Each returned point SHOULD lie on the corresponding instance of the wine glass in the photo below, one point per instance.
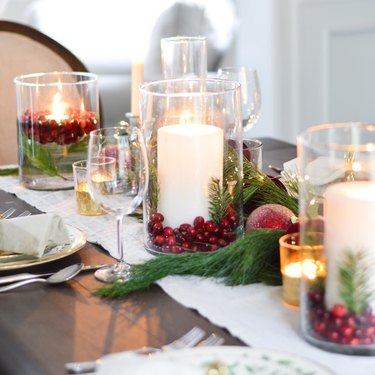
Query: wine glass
(251, 100)
(117, 176)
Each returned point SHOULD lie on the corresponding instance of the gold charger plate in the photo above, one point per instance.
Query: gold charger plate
(10, 261)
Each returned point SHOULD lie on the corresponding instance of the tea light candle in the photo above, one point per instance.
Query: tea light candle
(189, 156)
(292, 274)
(349, 226)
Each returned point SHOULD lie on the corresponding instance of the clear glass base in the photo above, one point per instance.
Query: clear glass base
(116, 273)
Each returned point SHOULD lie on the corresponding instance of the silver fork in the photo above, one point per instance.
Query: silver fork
(7, 213)
(212, 340)
(24, 213)
(188, 340)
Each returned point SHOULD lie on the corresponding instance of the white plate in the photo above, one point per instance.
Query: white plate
(237, 361)
(10, 261)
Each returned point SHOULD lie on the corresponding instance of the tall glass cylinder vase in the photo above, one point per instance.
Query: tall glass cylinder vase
(184, 57)
(193, 134)
(337, 205)
(56, 112)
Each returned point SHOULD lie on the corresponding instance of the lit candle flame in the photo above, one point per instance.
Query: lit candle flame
(308, 267)
(57, 112)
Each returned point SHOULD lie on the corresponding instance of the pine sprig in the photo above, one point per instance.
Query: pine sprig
(252, 258)
(219, 200)
(354, 274)
(9, 171)
(261, 189)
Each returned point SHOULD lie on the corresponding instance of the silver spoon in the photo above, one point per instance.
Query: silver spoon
(61, 276)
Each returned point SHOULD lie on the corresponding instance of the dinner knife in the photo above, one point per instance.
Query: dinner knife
(26, 276)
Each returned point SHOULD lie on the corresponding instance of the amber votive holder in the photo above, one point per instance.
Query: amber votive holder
(297, 261)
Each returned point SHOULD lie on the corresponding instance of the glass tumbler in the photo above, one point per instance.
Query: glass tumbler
(55, 113)
(193, 135)
(184, 57)
(337, 205)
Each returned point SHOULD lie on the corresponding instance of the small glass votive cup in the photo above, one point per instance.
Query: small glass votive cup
(253, 151)
(85, 205)
(298, 262)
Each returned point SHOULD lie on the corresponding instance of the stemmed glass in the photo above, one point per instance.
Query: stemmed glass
(251, 100)
(117, 176)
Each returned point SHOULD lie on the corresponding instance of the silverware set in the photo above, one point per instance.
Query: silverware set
(10, 211)
(193, 338)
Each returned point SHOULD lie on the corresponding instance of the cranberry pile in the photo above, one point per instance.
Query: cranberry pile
(339, 325)
(202, 235)
(43, 130)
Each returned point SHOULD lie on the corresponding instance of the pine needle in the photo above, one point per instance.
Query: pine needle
(251, 259)
(354, 274)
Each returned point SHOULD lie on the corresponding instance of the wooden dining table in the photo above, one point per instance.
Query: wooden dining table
(42, 327)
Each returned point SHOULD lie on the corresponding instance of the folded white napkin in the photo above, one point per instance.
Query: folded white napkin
(32, 235)
(129, 363)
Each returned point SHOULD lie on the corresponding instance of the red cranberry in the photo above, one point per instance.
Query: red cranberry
(333, 336)
(157, 218)
(210, 226)
(213, 239)
(339, 311)
(171, 240)
(168, 231)
(192, 232)
(176, 249)
(354, 341)
(158, 229)
(319, 326)
(347, 331)
(185, 245)
(184, 227)
(159, 239)
(222, 242)
(198, 221)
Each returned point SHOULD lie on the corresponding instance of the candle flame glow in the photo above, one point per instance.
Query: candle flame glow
(185, 118)
(308, 267)
(57, 112)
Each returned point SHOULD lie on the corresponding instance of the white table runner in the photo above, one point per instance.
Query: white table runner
(253, 313)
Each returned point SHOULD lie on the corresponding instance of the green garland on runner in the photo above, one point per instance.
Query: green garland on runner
(250, 259)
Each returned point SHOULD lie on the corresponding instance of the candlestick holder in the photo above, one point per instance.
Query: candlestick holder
(194, 139)
(55, 113)
(337, 201)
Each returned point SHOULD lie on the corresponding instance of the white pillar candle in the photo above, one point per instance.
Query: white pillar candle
(136, 81)
(349, 209)
(189, 156)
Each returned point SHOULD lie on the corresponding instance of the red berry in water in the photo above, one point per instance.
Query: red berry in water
(198, 221)
(185, 245)
(192, 232)
(159, 240)
(367, 341)
(200, 237)
(222, 242)
(333, 336)
(184, 227)
(210, 226)
(157, 217)
(339, 311)
(168, 231)
(225, 223)
(338, 322)
(176, 249)
(354, 341)
(347, 331)
(370, 331)
(171, 240)
(319, 326)
(166, 248)
(158, 229)
(213, 239)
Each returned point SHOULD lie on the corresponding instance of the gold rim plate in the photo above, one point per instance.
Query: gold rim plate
(10, 261)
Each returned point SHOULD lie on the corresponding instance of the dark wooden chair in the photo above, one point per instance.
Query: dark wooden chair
(25, 50)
